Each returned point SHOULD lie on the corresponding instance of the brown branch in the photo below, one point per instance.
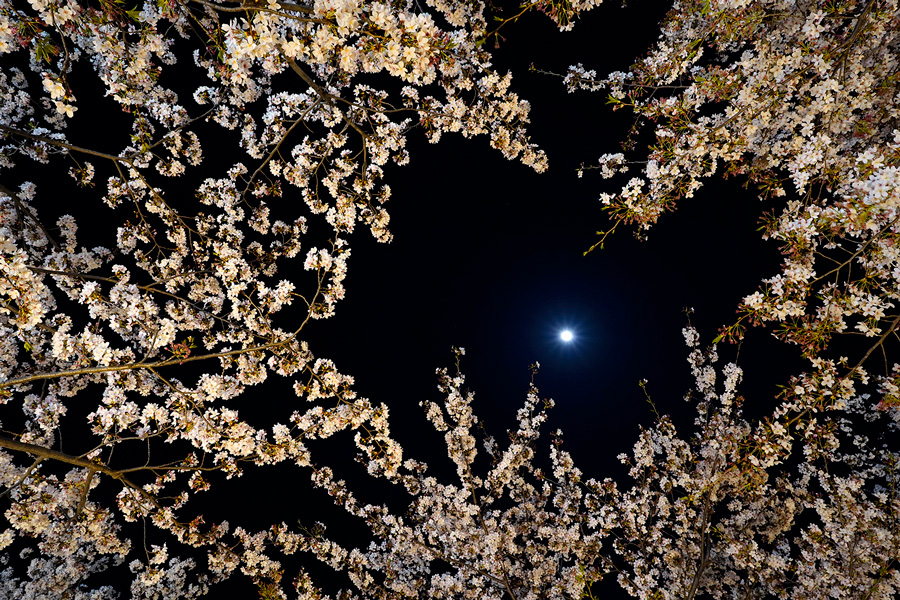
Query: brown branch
(52, 142)
(84, 492)
(126, 159)
(504, 579)
(150, 289)
(24, 476)
(862, 249)
(275, 150)
(162, 139)
(324, 94)
(704, 550)
(47, 453)
(146, 366)
(261, 7)
(62, 40)
(26, 210)
(857, 30)
(461, 564)
(146, 288)
(880, 341)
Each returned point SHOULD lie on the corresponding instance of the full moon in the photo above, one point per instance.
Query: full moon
(566, 335)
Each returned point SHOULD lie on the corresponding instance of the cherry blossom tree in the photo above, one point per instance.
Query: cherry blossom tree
(199, 286)
(192, 305)
(798, 99)
(788, 507)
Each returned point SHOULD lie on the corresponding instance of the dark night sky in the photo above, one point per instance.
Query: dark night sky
(487, 255)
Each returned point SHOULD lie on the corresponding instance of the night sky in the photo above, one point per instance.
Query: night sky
(488, 255)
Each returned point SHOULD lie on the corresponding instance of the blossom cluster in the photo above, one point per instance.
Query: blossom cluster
(801, 101)
(789, 506)
(135, 349)
(196, 297)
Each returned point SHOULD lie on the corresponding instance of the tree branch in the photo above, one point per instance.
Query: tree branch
(47, 453)
(67, 146)
(704, 550)
(262, 7)
(26, 210)
(146, 366)
(324, 94)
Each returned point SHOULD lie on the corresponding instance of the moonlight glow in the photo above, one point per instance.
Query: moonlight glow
(566, 335)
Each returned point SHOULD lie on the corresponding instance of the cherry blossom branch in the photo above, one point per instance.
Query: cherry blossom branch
(146, 366)
(604, 235)
(23, 477)
(26, 210)
(481, 522)
(262, 8)
(128, 158)
(324, 94)
(146, 288)
(880, 341)
(857, 30)
(275, 150)
(771, 90)
(461, 564)
(862, 249)
(47, 453)
(67, 146)
(704, 549)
